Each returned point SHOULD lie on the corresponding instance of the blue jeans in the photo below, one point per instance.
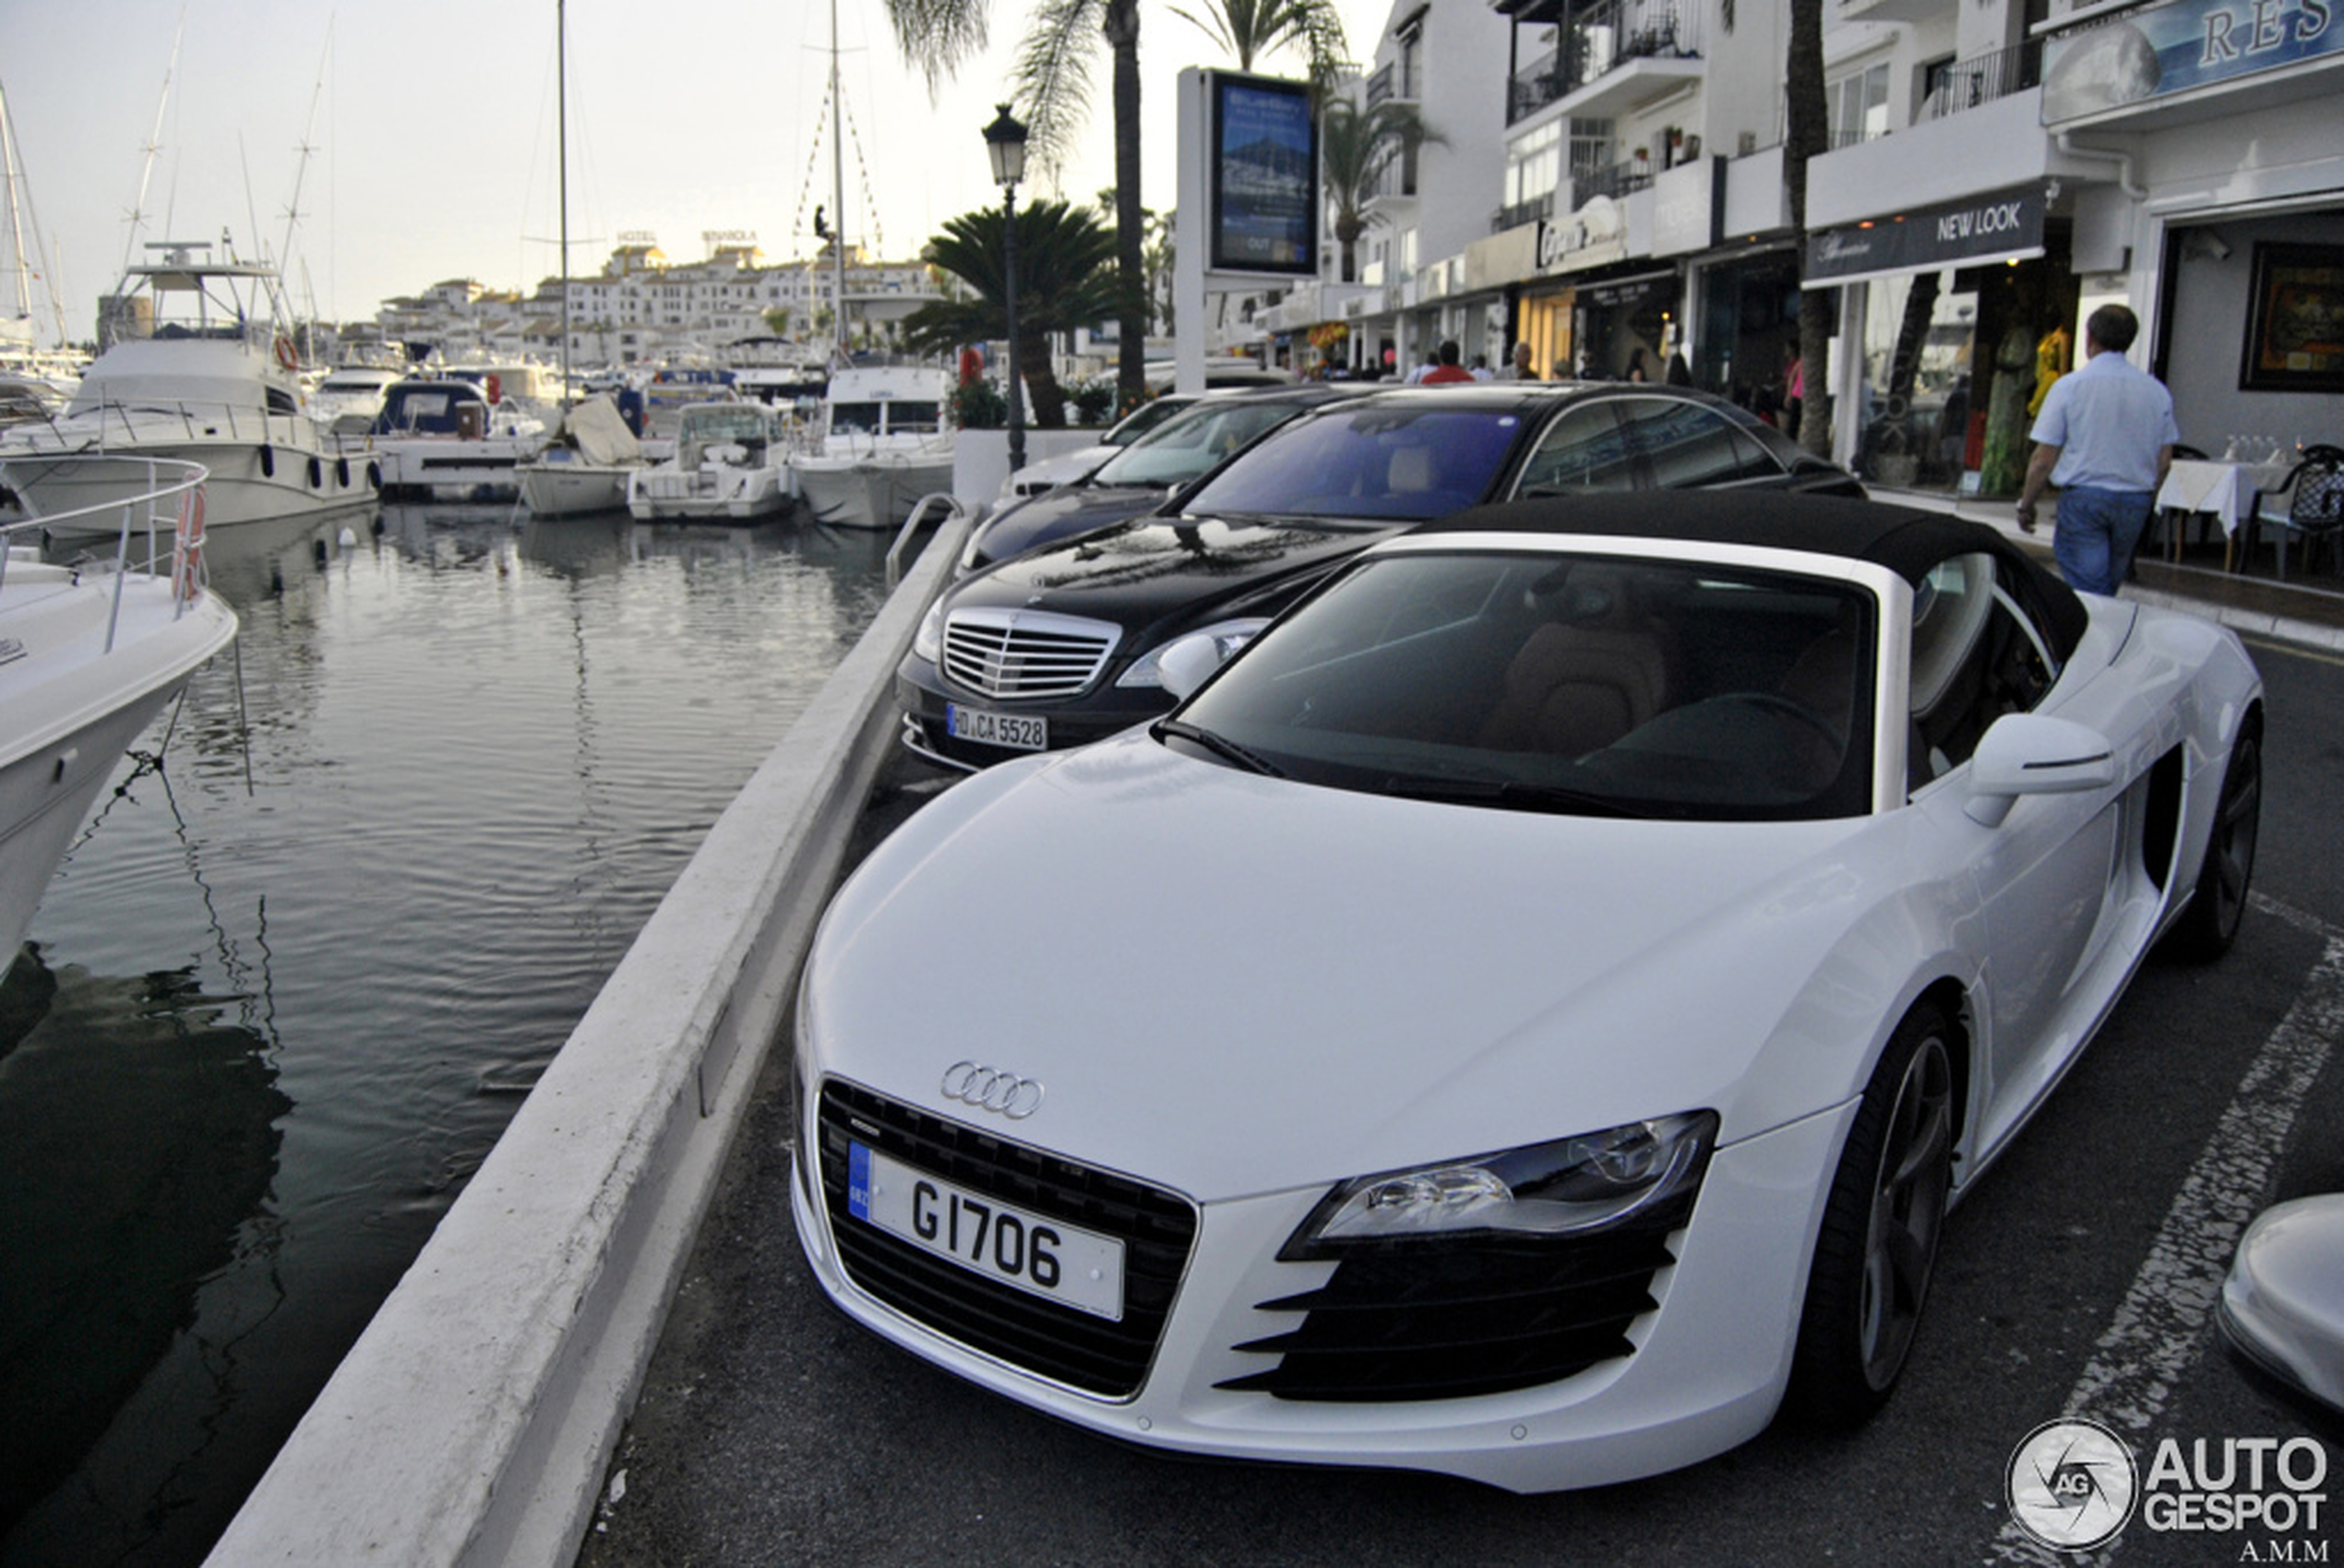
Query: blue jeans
(2096, 533)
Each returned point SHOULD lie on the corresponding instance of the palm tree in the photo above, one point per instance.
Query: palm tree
(1062, 282)
(1356, 146)
(1808, 135)
(1051, 84)
(1251, 29)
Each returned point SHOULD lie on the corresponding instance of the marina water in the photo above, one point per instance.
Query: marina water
(289, 986)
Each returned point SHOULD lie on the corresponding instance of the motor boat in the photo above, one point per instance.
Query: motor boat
(587, 464)
(346, 401)
(443, 438)
(731, 465)
(89, 653)
(883, 445)
(201, 368)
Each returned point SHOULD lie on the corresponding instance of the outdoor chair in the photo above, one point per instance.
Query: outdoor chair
(2308, 502)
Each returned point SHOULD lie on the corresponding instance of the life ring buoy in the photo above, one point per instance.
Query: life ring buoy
(285, 356)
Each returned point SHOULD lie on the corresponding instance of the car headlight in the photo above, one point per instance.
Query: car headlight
(1228, 637)
(1567, 1186)
(929, 641)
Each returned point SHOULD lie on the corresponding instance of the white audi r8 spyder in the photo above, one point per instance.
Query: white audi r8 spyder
(1528, 1014)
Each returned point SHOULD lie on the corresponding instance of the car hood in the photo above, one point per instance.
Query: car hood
(1135, 573)
(1237, 985)
(1060, 513)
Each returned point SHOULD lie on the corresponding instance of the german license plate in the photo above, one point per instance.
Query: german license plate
(1042, 1256)
(1016, 731)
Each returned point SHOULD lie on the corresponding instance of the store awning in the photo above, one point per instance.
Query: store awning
(1979, 231)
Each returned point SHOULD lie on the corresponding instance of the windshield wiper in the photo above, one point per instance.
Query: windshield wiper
(1219, 745)
(1513, 795)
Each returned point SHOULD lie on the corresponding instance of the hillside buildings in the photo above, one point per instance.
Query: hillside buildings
(643, 308)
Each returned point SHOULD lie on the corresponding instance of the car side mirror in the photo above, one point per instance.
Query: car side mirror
(2033, 754)
(1189, 662)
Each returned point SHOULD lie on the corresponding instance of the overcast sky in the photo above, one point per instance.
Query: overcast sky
(432, 129)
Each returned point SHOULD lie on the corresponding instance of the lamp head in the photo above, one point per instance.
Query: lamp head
(1005, 144)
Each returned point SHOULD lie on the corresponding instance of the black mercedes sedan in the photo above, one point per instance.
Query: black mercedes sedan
(1059, 646)
(1140, 478)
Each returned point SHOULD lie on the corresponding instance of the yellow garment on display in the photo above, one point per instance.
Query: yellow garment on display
(2054, 357)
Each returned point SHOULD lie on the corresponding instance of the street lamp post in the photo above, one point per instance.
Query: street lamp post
(1005, 144)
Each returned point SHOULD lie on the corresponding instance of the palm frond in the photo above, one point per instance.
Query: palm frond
(1053, 76)
(939, 36)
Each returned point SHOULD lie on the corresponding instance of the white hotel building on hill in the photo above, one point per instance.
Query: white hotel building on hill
(643, 309)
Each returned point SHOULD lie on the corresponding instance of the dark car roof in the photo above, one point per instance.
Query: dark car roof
(1907, 540)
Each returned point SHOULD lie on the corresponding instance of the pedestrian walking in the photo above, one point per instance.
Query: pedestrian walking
(2105, 437)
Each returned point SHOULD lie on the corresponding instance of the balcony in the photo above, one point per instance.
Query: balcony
(1613, 56)
(1535, 211)
(1390, 83)
(1973, 83)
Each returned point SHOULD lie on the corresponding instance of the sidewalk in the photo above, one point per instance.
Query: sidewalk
(2306, 611)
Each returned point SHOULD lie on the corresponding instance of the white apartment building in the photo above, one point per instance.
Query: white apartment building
(1998, 168)
(641, 308)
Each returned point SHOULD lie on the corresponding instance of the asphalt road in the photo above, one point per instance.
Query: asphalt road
(773, 1432)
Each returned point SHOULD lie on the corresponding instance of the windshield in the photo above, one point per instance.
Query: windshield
(1581, 684)
(1188, 443)
(1382, 461)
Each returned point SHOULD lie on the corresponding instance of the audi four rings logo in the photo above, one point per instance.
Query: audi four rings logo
(988, 1089)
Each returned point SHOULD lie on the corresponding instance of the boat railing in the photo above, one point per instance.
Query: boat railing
(196, 419)
(169, 504)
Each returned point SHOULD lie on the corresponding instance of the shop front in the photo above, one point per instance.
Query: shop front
(1628, 323)
(1746, 333)
(1963, 314)
(2222, 223)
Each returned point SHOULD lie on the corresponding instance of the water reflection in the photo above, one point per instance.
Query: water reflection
(397, 840)
(142, 1117)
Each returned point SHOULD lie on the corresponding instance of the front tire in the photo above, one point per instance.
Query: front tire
(2210, 924)
(1878, 1245)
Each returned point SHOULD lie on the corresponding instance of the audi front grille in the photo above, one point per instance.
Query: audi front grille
(1449, 1320)
(1067, 1346)
(1026, 653)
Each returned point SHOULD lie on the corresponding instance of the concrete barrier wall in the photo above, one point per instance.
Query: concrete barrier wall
(472, 1421)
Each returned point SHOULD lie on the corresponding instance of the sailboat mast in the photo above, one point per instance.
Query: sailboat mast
(838, 199)
(16, 216)
(561, 133)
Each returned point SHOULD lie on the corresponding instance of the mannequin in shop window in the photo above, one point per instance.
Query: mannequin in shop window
(2054, 357)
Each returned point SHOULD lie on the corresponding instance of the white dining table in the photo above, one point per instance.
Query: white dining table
(2224, 491)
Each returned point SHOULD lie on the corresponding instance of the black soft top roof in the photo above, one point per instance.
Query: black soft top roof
(1907, 540)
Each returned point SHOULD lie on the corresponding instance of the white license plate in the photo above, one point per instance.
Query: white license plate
(1013, 730)
(1041, 1256)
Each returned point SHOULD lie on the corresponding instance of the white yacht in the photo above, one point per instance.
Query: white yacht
(200, 369)
(883, 443)
(92, 653)
(731, 465)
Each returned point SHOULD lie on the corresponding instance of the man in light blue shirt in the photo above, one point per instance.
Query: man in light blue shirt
(2105, 437)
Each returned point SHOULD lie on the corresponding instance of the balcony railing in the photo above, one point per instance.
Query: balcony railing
(1614, 180)
(1531, 211)
(1389, 81)
(1967, 84)
(1599, 41)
